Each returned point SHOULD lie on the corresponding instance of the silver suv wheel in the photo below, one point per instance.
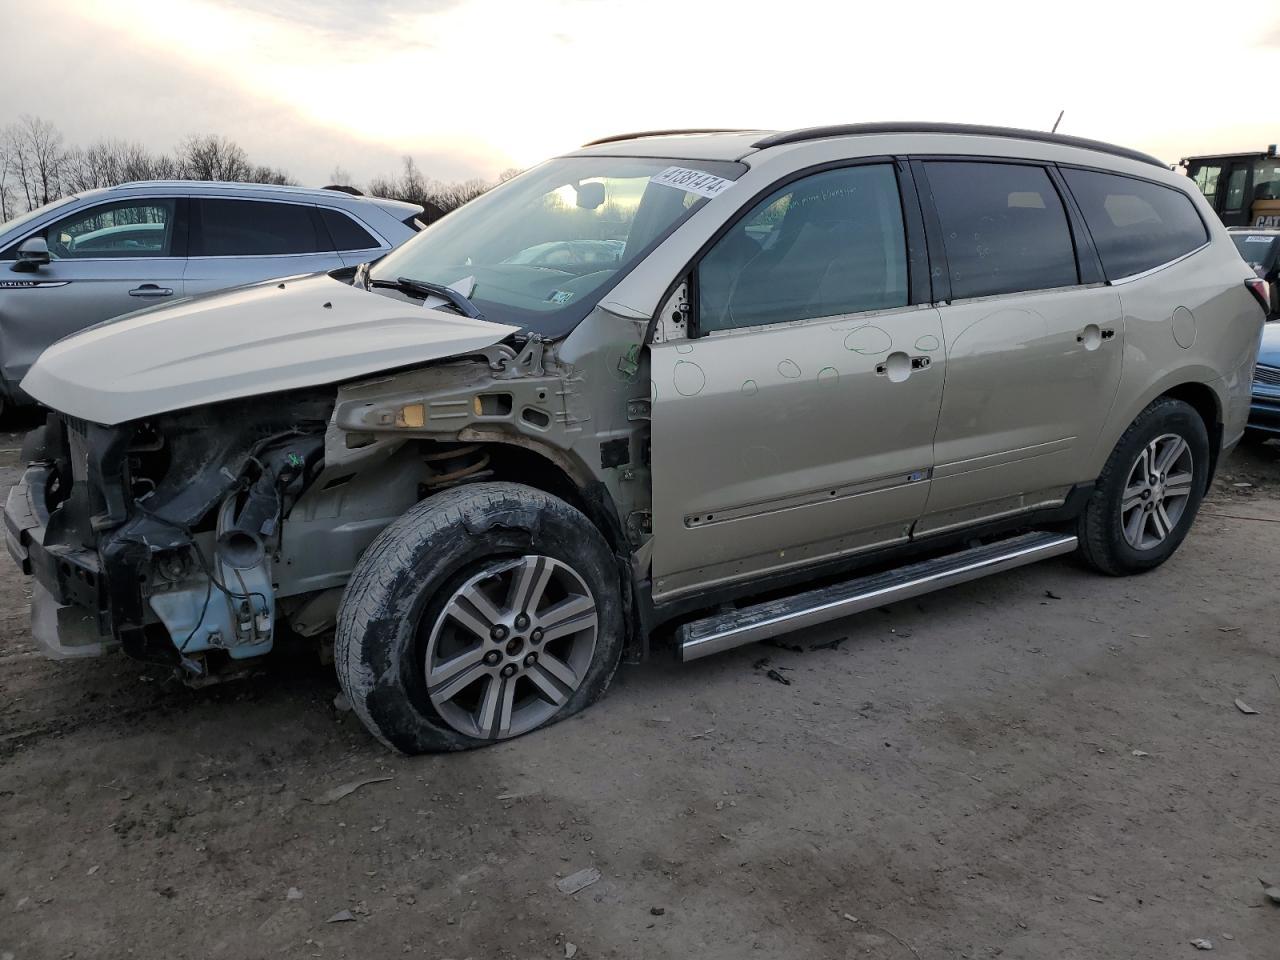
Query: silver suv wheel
(1157, 491)
(510, 647)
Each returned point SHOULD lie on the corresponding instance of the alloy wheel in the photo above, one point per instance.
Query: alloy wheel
(1157, 491)
(510, 647)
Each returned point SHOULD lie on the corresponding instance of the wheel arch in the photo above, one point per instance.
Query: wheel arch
(1195, 385)
(1202, 398)
(519, 459)
(522, 460)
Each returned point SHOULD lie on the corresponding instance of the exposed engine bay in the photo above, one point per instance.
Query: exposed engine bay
(196, 536)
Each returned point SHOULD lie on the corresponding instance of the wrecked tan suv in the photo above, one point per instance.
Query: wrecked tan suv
(733, 383)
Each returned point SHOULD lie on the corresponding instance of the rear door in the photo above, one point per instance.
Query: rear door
(797, 424)
(237, 241)
(105, 260)
(1034, 339)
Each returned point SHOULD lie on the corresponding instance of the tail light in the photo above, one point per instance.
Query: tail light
(1258, 288)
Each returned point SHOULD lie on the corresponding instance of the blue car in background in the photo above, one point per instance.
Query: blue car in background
(86, 258)
(1264, 410)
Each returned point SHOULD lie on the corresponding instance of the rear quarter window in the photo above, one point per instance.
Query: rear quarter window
(1136, 225)
(346, 233)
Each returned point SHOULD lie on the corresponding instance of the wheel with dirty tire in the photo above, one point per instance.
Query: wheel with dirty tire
(485, 612)
(1149, 491)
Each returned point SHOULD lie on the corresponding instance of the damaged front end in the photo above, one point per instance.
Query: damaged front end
(159, 534)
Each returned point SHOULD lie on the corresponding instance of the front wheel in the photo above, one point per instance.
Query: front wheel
(1149, 491)
(483, 613)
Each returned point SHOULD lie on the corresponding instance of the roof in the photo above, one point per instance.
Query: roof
(736, 144)
(219, 186)
(397, 208)
(677, 146)
(1268, 154)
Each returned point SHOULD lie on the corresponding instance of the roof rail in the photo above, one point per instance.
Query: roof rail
(971, 129)
(663, 133)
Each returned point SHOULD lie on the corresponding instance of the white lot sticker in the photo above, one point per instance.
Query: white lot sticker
(1258, 239)
(692, 181)
(560, 296)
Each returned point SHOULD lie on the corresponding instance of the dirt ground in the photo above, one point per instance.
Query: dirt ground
(1046, 764)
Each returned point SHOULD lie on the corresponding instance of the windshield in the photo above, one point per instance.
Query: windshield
(26, 217)
(1255, 249)
(540, 250)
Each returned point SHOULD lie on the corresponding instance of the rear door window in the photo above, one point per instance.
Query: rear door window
(829, 244)
(345, 232)
(1003, 228)
(255, 228)
(1135, 224)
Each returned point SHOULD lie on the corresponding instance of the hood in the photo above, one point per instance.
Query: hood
(272, 336)
(1269, 351)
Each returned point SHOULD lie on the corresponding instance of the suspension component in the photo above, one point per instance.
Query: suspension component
(457, 464)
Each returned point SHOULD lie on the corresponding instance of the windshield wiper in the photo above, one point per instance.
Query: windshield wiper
(424, 289)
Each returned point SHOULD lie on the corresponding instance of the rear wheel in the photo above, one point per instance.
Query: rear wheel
(1149, 491)
(482, 614)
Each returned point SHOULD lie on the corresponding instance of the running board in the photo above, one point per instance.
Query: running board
(701, 638)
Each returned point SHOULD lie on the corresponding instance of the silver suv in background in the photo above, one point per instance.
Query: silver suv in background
(820, 371)
(89, 257)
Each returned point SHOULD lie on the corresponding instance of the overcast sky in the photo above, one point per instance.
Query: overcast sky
(470, 87)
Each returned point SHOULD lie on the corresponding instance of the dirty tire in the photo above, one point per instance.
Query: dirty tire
(402, 582)
(1103, 545)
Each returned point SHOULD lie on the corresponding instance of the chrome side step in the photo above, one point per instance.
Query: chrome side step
(701, 638)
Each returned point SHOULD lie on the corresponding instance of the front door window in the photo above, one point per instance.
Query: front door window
(827, 245)
(133, 228)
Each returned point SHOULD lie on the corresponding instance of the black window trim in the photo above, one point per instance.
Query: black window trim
(1088, 264)
(1208, 233)
(383, 243)
(195, 226)
(913, 231)
(178, 237)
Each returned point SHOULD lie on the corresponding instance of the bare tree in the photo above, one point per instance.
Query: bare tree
(41, 157)
(450, 196)
(212, 157)
(8, 207)
(436, 197)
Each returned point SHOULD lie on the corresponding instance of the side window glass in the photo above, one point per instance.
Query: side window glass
(1003, 228)
(255, 228)
(1235, 190)
(830, 244)
(345, 232)
(134, 228)
(1206, 178)
(1135, 224)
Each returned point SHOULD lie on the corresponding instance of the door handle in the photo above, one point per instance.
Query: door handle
(898, 366)
(151, 290)
(1092, 336)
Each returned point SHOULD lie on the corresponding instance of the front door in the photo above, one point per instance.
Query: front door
(1033, 339)
(106, 260)
(797, 425)
(1237, 197)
